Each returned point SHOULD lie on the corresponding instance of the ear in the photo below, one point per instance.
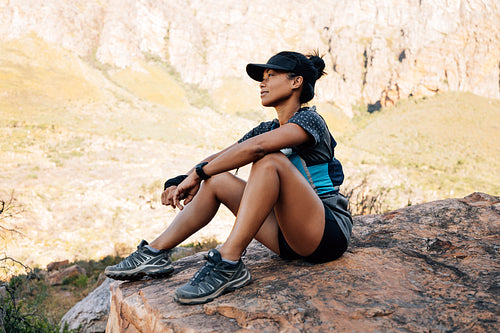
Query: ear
(297, 82)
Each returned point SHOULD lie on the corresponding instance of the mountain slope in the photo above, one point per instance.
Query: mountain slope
(448, 144)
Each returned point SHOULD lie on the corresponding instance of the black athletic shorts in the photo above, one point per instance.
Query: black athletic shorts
(333, 243)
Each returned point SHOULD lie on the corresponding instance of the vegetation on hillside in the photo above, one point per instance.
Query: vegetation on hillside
(446, 146)
(29, 304)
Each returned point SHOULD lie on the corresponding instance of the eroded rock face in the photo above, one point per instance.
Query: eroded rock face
(426, 267)
(377, 52)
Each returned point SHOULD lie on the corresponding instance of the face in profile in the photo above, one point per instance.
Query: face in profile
(275, 87)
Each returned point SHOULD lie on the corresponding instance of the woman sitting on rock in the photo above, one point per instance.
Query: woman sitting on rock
(290, 203)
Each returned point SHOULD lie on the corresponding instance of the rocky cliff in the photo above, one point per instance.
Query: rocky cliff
(429, 267)
(376, 51)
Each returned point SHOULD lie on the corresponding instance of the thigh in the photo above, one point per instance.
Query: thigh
(228, 190)
(299, 211)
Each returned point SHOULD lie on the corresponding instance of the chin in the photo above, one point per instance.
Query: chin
(267, 104)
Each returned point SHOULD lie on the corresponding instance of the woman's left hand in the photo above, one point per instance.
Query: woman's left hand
(187, 190)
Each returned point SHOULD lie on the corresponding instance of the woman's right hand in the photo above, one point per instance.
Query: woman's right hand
(167, 197)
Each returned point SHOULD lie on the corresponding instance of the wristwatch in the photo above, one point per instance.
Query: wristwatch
(200, 172)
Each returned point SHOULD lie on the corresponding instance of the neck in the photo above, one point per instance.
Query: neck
(287, 110)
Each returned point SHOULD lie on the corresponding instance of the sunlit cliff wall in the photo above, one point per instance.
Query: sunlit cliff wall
(376, 51)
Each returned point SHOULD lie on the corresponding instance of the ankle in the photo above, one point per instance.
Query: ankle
(153, 249)
(232, 262)
(228, 256)
(156, 245)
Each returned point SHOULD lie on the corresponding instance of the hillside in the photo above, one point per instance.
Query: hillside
(85, 158)
(446, 145)
(94, 118)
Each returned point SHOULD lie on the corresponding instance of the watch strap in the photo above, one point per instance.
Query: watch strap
(200, 172)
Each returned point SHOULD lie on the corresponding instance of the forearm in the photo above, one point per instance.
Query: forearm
(175, 181)
(211, 157)
(240, 154)
(234, 157)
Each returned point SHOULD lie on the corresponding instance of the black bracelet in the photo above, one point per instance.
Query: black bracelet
(200, 172)
(174, 181)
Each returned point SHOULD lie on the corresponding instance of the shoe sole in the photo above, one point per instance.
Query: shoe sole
(138, 275)
(230, 286)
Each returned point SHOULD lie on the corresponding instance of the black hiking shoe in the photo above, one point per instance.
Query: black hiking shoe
(142, 262)
(212, 280)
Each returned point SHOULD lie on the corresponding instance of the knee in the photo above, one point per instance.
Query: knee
(218, 180)
(272, 160)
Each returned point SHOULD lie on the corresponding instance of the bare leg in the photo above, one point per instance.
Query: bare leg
(223, 188)
(275, 184)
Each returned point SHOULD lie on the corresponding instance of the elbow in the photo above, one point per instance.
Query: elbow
(258, 150)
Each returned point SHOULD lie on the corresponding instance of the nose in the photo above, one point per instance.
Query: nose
(262, 84)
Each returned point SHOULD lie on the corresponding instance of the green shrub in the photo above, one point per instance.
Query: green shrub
(79, 281)
(14, 318)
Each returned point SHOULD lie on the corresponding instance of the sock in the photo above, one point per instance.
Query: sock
(232, 262)
(152, 249)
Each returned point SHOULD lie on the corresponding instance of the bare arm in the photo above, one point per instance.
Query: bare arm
(238, 155)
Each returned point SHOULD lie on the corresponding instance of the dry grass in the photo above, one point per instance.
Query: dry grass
(445, 146)
(152, 82)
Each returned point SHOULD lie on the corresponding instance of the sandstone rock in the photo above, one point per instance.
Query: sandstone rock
(57, 277)
(56, 265)
(90, 315)
(429, 267)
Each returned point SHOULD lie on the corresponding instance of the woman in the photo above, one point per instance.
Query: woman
(290, 203)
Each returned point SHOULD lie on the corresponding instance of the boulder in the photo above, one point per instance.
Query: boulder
(90, 315)
(428, 267)
(58, 276)
(57, 265)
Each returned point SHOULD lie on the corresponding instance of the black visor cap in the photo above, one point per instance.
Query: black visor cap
(278, 62)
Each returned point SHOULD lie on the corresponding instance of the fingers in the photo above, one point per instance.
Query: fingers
(173, 195)
(164, 198)
(177, 199)
(167, 197)
(188, 199)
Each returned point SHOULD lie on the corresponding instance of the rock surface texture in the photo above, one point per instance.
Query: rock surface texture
(429, 267)
(377, 52)
(90, 315)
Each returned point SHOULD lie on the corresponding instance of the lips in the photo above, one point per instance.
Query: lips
(263, 93)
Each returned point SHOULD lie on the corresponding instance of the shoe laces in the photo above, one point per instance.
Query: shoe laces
(203, 272)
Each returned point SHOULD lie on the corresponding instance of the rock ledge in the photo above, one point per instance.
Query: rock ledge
(427, 267)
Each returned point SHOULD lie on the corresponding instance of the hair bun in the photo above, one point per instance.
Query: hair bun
(318, 63)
